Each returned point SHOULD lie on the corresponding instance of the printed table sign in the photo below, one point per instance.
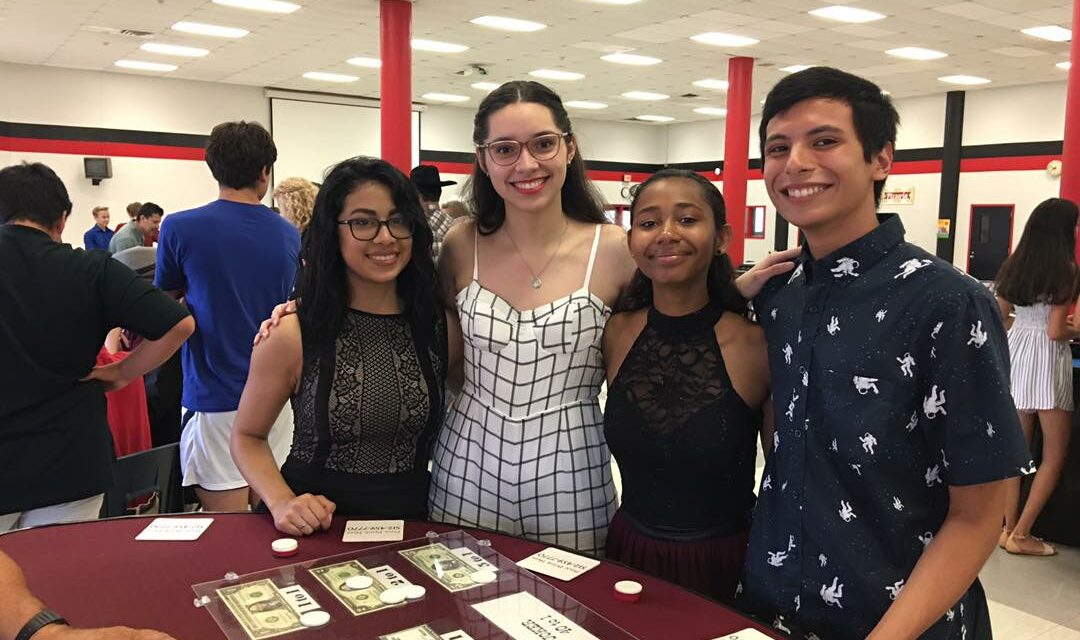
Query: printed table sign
(374, 531)
(523, 616)
(558, 563)
(175, 529)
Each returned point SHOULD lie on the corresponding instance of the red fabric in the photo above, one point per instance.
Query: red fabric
(97, 574)
(129, 419)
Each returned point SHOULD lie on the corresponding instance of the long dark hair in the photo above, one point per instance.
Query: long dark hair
(580, 199)
(1043, 266)
(721, 278)
(322, 289)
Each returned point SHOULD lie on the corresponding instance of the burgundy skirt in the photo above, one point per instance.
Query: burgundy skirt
(711, 566)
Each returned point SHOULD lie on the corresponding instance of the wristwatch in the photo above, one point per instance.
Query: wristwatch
(44, 618)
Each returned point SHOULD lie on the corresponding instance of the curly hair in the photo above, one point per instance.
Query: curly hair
(295, 197)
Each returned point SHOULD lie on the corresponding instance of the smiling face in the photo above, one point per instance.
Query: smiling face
(381, 259)
(816, 173)
(673, 235)
(528, 184)
(102, 218)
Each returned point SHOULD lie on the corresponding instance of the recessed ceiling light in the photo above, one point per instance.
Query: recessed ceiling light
(273, 6)
(709, 83)
(508, 24)
(631, 58)
(214, 30)
(585, 104)
(556, 74)
(711, 111)
(795, 68)
(371, 63)
(1063, 65)
(437, 47)
(962, 79)
(846, 14)
(1053, 33)
(145, 66)
(329, 77)
(654, 118)
(916, 53)
(723, 39)
(485, 86)
(645, 95)
(444, 97)
(173, 50)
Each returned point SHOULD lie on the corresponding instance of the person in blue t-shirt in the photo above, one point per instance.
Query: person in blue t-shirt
(231, 260)
(98, 236)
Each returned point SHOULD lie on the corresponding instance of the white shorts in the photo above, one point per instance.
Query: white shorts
(204, 448)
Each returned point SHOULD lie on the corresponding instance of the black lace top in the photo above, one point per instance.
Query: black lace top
(366, 414)
(684, 440)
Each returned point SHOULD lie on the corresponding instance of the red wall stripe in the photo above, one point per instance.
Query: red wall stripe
(92, 148)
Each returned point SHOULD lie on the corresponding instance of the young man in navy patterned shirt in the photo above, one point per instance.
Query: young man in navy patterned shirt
(884, 493)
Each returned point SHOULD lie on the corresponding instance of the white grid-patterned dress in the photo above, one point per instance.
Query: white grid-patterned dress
(523, 448)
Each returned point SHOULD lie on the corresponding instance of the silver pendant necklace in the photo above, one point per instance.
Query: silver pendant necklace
(537, 282)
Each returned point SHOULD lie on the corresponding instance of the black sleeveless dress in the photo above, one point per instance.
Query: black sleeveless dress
(366, 414)
(685, 443)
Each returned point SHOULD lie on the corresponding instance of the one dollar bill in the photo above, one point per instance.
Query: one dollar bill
(442, 566)
(423, 632)
(260, 609)
(359, 602)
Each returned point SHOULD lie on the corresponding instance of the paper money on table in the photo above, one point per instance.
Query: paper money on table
(260, 609)
(359, 602)
(423, 632)
(442, 566)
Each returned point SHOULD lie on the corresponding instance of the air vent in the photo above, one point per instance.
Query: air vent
(122, 33)
(690, 95)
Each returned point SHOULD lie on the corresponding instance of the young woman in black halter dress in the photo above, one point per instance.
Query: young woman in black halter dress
(688, 393)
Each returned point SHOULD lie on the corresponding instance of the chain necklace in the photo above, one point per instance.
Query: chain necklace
(536, 281)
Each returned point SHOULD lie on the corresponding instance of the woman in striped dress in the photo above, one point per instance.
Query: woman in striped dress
(1037, 284)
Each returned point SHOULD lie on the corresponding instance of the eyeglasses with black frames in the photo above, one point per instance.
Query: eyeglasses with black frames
(506, 152)
(369, 228)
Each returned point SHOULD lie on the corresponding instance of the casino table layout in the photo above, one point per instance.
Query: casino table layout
(96, 574)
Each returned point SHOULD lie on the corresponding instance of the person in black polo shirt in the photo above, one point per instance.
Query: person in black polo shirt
(895, 430)
(59, 303)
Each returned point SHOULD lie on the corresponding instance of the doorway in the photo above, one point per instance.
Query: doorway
(989, 239)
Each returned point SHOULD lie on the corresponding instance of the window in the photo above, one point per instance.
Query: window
(755, 222)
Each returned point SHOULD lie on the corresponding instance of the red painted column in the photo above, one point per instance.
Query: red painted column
(736, 151)
(1070, 157)
(395, 82)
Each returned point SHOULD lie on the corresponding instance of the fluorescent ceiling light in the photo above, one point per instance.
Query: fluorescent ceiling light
(584, 104)
(556, 74)
(846, 14)
(654, 118)
(437, 47)
(631, 58)
(145, 66)
(508, 24)
(795, 68)
(444, 97)
(1053, 33)
(273, 6)
(174, 50)
(723, 39)
(329, 77)
(711, 111)
(485, 86)
(371, 63)
(1063, 65)
(214, 30)
(709, 83)
(645, 95)
(916, 53)
(962, 79)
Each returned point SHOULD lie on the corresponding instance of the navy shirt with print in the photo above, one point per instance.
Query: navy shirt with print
(890, 373)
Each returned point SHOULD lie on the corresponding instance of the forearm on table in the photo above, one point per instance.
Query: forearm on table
(17, 604)
(946, 570)
(152, 353)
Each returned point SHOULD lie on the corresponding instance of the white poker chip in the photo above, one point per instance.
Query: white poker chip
(284, 546)
(315, 618)
(628, 587)
(483, 576)
(394, 595)
(359, 583)
(414, 591)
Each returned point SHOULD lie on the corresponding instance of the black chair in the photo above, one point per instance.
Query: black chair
(154, 472)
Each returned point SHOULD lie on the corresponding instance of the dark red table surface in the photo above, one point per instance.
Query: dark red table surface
(97, 574)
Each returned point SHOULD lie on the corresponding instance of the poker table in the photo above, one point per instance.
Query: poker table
(96, 574)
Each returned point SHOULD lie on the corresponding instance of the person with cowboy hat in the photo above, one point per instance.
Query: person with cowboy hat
(427, 181)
